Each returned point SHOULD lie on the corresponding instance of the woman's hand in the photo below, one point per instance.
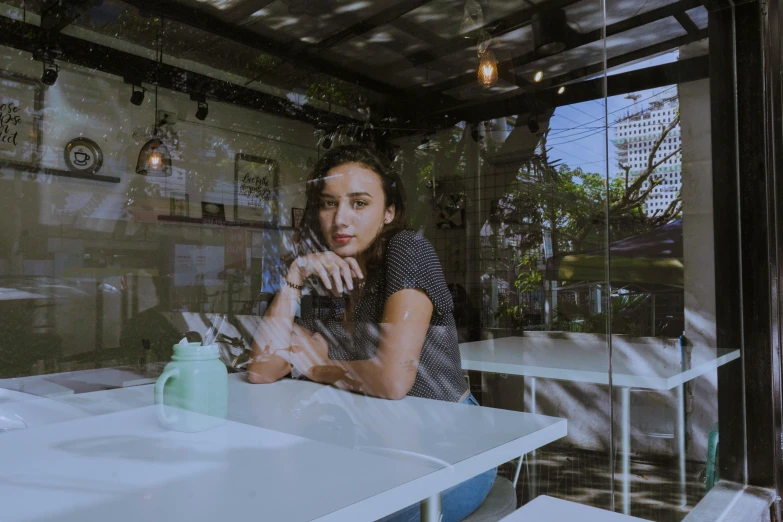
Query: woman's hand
(336, 273)
(306, 351)
(309, 353)
(265, 366)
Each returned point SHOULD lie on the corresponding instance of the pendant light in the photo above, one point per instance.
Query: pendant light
(472, 19)
(550, 32)
(154, 157)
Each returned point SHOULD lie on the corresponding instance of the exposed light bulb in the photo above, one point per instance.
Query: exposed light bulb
(539, 76)
(488, 70)
(561, 90)
(155, 160)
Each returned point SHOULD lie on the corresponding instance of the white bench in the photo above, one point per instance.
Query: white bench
(544, 508)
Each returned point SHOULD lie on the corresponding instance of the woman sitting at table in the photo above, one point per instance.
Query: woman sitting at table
(379, 318)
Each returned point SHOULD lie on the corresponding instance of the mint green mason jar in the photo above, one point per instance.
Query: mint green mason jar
(192, 392)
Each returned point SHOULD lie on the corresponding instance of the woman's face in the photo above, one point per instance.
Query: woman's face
(352, 209)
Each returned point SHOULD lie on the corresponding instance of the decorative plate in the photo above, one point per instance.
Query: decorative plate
(83, 155)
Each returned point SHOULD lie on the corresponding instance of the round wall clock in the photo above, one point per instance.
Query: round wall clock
(83, 155)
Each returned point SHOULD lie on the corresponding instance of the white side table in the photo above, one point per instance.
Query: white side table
(568, 360)
(550, 508)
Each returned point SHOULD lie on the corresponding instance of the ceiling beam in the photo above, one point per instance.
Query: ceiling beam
(419, 116)
(388, 15)
(577, 40)
(246, 9)
(59, 14)
(686, 22)
(496, 28)
(678, 72)
(297, 53)
(419, 31)
(29, 38)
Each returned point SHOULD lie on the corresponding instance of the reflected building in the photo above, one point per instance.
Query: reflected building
(635, 136)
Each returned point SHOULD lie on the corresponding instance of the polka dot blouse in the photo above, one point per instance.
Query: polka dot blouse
(411, 262)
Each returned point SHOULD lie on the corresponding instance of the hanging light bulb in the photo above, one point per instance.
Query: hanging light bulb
(488, 70)
(154, 157)
(155, 160)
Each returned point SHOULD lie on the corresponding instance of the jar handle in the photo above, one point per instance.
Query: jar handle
(164, 415)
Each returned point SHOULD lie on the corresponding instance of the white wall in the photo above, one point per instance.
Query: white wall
(57, 218)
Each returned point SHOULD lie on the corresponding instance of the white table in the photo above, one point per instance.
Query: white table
(634, 366)
(35, 385)
(294, 450)
(550, 508)
(104, 378)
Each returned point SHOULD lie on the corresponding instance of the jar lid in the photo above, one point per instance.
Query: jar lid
(196, 350)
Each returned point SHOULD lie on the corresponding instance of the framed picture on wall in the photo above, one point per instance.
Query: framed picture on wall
(213, 212)
(255, 189)
(179, 203)
(297, 215)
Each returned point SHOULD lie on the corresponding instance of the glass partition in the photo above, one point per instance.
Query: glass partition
(292, 241)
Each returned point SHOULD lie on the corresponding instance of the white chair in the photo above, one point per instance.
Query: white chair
(501, 501)
(555, 509)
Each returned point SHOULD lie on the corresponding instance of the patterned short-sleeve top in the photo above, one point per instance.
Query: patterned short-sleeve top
(410, 262)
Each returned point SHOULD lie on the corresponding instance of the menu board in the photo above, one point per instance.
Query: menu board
(255, 186)
(196, 265)
(20, 109)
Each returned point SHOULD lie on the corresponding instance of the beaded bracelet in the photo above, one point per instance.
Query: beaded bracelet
(295, 287)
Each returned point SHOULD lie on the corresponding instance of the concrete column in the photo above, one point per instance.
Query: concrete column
(699, 256)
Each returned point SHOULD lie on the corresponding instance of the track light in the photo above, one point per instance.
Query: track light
(51, 71)
(532, 123)
(476, 134)
(137, 95)
(202, 111)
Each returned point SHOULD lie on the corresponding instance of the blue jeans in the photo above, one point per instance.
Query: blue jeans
(458, 501)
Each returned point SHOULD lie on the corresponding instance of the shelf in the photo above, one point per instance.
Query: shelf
(57, 172)
(223, 223)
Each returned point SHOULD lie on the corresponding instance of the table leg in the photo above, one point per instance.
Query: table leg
(625, 432)
(431, 509)
(516, 473)
(533, 467)
(681, 442)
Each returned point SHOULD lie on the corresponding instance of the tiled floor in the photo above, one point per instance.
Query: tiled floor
(584, 477)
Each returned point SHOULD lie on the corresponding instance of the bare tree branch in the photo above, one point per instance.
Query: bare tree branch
(634, 196)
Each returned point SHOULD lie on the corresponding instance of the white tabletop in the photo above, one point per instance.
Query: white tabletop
(351, 457)
(549, 508)
(35, 385)
(640, 366)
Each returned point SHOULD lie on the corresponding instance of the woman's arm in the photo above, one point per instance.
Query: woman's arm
(274, 333)
(392, 372)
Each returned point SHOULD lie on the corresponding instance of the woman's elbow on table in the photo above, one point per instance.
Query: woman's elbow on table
(267, 372)
(396, 389)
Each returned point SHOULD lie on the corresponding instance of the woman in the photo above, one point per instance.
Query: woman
(382, 324)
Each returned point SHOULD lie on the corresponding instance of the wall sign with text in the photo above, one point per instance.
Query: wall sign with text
(21, 100)
(255, 187)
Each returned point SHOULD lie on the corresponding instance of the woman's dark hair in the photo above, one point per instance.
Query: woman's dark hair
(310, 238)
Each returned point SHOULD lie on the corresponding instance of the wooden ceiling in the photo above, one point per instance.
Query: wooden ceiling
(413, 53)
